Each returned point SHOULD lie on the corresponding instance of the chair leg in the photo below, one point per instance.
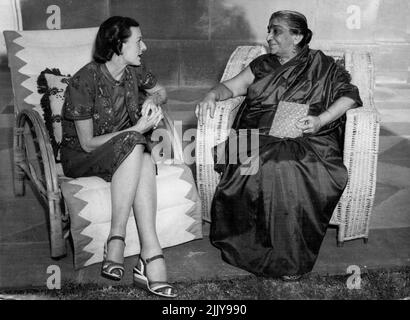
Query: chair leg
(340, 236)
(365, 240)
(58, 246)
(18, 173)
(18, 183)
(57, 240)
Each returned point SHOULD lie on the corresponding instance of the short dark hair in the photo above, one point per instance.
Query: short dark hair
(112, 33)
(297, 23)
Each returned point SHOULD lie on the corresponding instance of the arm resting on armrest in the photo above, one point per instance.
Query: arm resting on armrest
(232, 88)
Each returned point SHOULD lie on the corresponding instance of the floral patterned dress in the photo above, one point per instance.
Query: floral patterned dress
(92, 93)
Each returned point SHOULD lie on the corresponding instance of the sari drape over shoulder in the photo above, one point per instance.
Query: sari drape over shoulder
(273, 222)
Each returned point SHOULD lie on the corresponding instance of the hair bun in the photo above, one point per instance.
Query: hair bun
(308, 36)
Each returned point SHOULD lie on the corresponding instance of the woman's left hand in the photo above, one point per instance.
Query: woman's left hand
(149, 108)
(309, 124)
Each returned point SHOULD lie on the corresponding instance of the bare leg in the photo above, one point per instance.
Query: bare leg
(145, 208)
(123, 190)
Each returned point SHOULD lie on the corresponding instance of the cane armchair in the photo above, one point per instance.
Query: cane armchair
(352, 214)
(84, 201)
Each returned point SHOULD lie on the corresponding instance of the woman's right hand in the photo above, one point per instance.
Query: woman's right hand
(208, 103)
(148, 122)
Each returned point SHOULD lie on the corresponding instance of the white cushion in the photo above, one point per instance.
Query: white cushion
(88, 200)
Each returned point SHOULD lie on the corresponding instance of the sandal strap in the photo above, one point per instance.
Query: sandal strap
(111, 265)
(116, 238)
(159, 256)
(159, 285)
(160, 282)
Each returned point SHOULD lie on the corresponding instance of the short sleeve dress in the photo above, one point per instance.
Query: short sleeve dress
(92, 93)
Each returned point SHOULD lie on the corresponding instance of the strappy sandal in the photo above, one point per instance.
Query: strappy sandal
(159, 288)
(111, 269)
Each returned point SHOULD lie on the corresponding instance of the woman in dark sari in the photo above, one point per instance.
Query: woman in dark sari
(272, 223)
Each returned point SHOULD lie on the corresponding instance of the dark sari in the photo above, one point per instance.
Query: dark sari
(272, 223)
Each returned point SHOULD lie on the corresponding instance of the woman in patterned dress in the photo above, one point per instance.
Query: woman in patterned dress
(106, 133)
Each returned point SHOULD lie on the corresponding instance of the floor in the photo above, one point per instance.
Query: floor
(24, 246)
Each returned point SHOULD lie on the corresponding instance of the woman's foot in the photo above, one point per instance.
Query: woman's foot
(150, 274)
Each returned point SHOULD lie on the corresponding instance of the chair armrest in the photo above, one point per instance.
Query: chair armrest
(360, 154)
(212, 132)
(219, 126)
(361, 132)
(361, 67)
(216, 129)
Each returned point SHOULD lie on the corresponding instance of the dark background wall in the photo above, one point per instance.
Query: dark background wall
(189, 41)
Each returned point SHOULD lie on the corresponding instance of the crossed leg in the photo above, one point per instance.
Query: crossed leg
(139, 192)
(145, 208)
(124, 184)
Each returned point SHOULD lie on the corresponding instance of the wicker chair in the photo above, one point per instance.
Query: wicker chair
(29, 53)
(353, 211)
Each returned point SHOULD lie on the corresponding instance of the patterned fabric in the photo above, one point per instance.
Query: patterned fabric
(103, 161)
(52, 84)
(89, 203)
(93, 93)
(112, 105)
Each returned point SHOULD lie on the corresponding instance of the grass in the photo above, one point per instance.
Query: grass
(375, 285)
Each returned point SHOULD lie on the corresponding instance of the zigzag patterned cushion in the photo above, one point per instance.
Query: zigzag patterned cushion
(89, 204)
